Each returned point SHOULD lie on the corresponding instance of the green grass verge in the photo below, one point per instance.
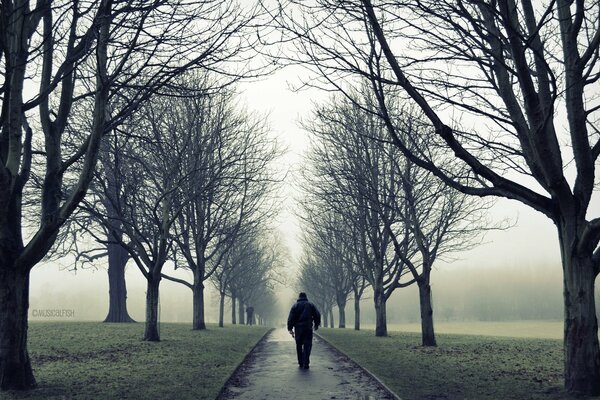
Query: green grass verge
(524, 328)
(461, 367)
(86, 360)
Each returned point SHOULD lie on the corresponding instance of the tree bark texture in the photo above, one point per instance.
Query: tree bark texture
(198, 307)
(117, 288)
(427, 332)
(582, 355)
(151, 333)
(380, 313)
(233, 310)
(342, 315)
(15, 365)
(221, 309)
(356, 314)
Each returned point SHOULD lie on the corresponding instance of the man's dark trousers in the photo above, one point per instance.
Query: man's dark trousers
(304, 337)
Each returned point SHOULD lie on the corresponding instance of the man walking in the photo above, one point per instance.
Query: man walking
(250, 315)
(302, 316)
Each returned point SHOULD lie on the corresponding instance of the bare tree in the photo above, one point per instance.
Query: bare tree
(77, 52)
(227, 270)
(440, 219)
(255, 274)
(423, 218)
(311, 280)
(513, 70)
(332, 251)
(230, 189)
(153, 170)
(251, 263)
(355, 176)
(265, 306)
(357, 265)
(18, 255)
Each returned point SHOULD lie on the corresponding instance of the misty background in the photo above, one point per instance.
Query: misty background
(514, 274)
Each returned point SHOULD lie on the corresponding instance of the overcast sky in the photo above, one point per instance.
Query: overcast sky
(532, 239)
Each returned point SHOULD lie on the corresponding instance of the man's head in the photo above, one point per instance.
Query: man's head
(302, 295)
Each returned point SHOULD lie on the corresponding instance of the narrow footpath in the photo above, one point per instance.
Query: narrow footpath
(271, 372)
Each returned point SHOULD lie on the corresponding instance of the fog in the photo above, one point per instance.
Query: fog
(514, 274)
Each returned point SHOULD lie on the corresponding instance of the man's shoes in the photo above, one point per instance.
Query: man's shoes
(300, 366)
(306, 367)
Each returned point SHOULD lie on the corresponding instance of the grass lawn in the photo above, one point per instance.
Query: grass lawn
(89, 360)
(461, 367)
(524, 328)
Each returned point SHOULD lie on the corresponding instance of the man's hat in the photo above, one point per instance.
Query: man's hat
(302, 295)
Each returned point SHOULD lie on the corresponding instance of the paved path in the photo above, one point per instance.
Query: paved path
(271, 372)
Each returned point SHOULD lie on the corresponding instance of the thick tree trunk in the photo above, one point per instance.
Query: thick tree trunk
(233, 310)
(325, 319)
(427, 332)
(380, 315)
(151, 331)
(331, 320)
(117, 289)
(582, 355)
(241, 318)
(221, 309)
(342, 314)
(198, 322)
(15, 365)
(356, 313)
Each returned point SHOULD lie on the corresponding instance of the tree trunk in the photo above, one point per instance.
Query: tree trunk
(356, 313)
(151, 332)
(221, 309)
(582, 355)
(15, 365)
(331, 320)
(342, 314)
(117, 289)
(233, 310)
(380, 316)
(241, 318)
(198, 322)
(427, 333)
(325, 319)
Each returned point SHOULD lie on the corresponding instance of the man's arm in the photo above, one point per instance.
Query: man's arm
(291, 318)
(316, 317)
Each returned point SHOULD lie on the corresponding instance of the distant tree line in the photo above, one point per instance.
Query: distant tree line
(186, 180)
(372, 217)
(500, 293)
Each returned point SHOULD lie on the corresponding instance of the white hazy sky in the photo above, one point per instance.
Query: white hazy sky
(533, 241)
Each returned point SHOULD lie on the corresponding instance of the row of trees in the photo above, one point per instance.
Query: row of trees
(73, 73)
(373, 217)
(509, 91)
(185, 189)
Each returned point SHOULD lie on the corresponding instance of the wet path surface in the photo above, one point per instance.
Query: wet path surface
(271, 372)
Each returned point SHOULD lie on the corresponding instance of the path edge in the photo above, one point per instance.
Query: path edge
(235, 371)
(372, 375)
